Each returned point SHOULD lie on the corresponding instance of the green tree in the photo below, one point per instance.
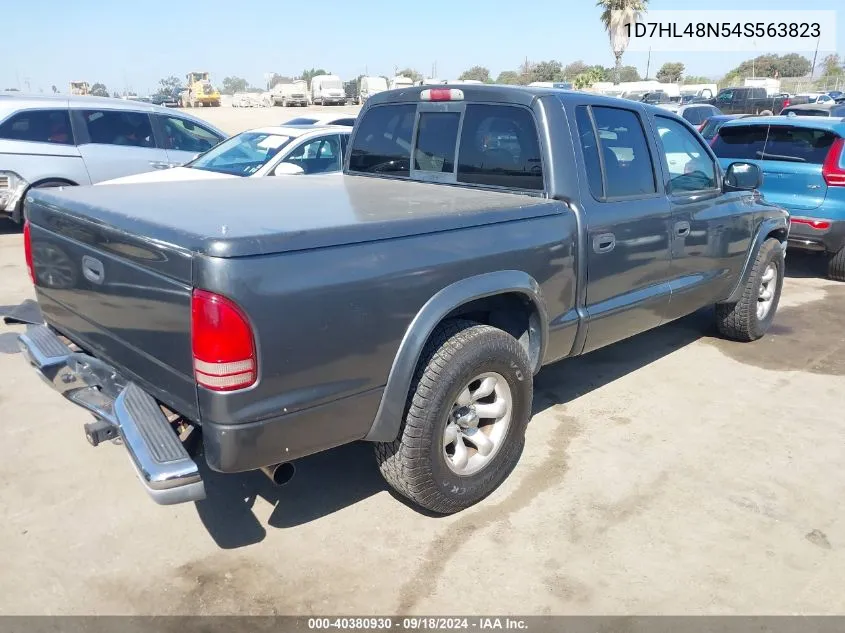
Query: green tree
(551, 70)
(570, 71)
(415, 76)
(589, 77)
(508, 77)
(697, 79)
(670, 72)
(231, 85)
(99, 90)
(832, 66)
(629, 73)
(615, 14)
(168, 85)
(477, 73)
(308, 75)
(791, 65)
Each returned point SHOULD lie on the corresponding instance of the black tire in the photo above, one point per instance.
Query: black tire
(739, 321)
(836, 266)
(414, 464)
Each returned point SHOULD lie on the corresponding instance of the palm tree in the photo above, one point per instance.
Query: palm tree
(615, 15)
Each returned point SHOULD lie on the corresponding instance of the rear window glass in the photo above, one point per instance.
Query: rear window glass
(39, 126)
(805, 112)
(628, 169)
(742, 141)
(499, 148)
(800, 145)
(437, 133)
(382, 144)
(783, 143)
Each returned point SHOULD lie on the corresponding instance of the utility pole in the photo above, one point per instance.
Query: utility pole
(648, 63)
(815, 56)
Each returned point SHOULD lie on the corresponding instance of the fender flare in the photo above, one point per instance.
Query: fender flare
(17, 212)
(385, 427)
(767, 226)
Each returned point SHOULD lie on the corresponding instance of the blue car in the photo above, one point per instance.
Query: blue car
(803, 165)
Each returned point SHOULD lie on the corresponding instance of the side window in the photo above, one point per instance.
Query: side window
(382, 144)
(694, 115)
(186, 136)
(628, 169)
(119, 127)
(499, 147)
(688, 163)
(590, 145)
(344, 145)
(317, 156)
(38, 126)
(437, 135)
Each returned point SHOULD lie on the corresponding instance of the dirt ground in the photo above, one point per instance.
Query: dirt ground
(672, 473)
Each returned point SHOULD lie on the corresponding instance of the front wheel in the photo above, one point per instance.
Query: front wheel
(751, 317)
(465, 420)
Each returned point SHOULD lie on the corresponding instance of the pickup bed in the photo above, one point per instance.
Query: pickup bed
(477, 234)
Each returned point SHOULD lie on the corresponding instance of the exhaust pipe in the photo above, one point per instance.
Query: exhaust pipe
(280, 474)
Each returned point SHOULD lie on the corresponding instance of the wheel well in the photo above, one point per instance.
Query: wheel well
(513, 312)
(36, 184)
(779, 234)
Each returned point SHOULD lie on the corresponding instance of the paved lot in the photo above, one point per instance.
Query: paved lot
(673, 473)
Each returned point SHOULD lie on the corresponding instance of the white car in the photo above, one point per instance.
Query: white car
(346, 119)
(267, 151)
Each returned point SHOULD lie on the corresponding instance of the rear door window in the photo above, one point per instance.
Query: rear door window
(119, 127)
(590, 146)
(382, 144)
(628, 168)
(499, 147)
(38, 126)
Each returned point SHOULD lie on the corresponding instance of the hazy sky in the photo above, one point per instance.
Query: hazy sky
(127, 43)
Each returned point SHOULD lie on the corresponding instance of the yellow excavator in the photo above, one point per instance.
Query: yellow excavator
(79, 87)
(199, 92)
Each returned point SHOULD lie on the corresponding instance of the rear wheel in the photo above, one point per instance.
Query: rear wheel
(836, 266)
(750, 318)
(465, 420)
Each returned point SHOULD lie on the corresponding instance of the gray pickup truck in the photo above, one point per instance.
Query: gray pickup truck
(477, 234)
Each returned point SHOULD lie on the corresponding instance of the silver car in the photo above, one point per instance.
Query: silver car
(60, 140)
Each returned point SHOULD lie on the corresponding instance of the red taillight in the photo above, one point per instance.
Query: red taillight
(27, 250)
(222, 342)
(713, 140)
(819, 225)
(832, 172)
(786, 103)
(442, 94)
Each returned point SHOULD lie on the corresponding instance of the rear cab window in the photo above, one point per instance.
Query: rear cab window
(38, 126)
(469, 143)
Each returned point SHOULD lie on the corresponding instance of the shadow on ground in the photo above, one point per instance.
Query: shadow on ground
(7, 227)
(806, 265)
(332, 480)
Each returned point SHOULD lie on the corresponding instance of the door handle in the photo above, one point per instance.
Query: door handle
(155, 164)
(682, 229)
(92, 269)
(604, 243)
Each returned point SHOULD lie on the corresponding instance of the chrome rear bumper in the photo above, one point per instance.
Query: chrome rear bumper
(164, 467)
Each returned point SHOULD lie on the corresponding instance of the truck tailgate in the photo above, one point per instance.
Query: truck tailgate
(124, 299)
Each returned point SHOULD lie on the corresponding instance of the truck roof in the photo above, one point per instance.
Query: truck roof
(499, 93)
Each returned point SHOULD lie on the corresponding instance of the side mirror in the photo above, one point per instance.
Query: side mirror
(288, 169)
(743, 177)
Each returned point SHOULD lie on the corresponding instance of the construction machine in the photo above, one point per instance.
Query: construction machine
(79, 87)
(199, 92)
